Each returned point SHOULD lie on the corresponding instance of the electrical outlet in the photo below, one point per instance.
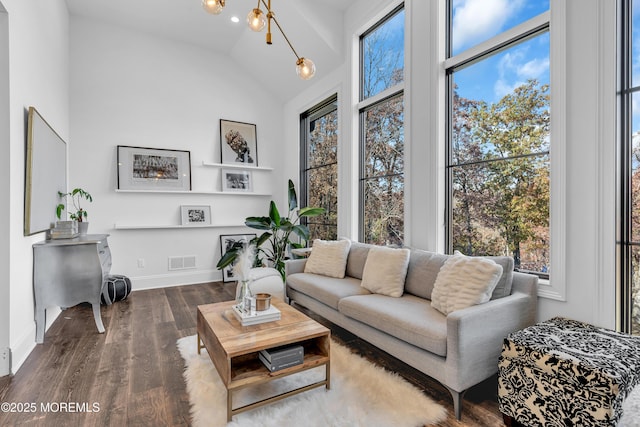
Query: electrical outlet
(5, 361)
(140, 262)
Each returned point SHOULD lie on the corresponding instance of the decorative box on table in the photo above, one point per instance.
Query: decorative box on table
(562, 372)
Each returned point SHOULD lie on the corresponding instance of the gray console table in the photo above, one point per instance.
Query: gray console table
(67, 272)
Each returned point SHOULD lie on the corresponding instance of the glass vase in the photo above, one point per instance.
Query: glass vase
(243, 295)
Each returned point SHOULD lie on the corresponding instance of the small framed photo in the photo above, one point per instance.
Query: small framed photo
(226, 242)
(195, 215)
(157, 169)
(238, 143)
(237, 180)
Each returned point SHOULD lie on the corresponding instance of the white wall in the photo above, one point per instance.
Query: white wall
(5, 191)
(590, 169)
(39, 76)
(589, 254)
(129, 88)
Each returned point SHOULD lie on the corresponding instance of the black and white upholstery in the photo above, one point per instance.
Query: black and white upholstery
(567, 373)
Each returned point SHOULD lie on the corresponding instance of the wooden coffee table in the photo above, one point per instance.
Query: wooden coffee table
(234, 348)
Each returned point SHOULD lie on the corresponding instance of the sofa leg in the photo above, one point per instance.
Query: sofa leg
(508, 421)
(457, 402)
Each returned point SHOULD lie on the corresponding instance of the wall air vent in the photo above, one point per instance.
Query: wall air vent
(182, 262)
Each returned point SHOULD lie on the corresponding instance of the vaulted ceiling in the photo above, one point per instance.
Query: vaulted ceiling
(313, 27)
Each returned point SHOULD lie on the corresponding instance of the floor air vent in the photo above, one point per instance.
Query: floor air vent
(182, 262)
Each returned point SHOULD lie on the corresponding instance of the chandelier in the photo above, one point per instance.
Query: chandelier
(257, 20)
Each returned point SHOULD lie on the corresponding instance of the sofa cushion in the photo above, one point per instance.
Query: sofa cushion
(503, 288)
(328, 258)
(357, 258)
(408, 318)
(327, 290)
(422, 272)
(424, 267)
(385, 271)
(464, 281)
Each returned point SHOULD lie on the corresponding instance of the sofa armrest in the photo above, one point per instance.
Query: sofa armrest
(292, 266)
(475, 334)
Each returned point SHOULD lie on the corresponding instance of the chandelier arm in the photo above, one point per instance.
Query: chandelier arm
(286, 38)
(280, 28)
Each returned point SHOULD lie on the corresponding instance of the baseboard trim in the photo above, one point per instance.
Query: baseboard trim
(139, 283)
(25, 345)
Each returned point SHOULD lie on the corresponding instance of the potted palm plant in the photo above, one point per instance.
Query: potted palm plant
(79, 214)
(278, 231)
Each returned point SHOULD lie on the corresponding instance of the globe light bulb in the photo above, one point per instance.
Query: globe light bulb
(256, 20)
(213, 7)
(305, 68)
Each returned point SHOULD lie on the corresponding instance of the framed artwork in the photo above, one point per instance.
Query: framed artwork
(237, 180)
(238, 143)
(158, 169)
(195, 215)
(226, 242)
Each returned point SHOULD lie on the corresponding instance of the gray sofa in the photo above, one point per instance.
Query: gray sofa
(459, 350)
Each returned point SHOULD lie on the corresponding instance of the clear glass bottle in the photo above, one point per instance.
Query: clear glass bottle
(244, 295)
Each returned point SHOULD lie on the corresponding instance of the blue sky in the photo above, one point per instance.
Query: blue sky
(635, 73)
(475, 21)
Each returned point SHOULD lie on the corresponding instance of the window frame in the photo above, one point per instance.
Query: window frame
(624, 231)
(321, 109)
(554, 287)
(366, 104)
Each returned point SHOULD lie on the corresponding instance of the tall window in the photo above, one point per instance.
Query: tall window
(319, 167)
(628, 238)
(498, 139)
(382, 131)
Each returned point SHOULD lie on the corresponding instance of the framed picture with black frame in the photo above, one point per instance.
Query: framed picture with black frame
(238, 143)
(226, 242)
(237, 180)
(149, 169)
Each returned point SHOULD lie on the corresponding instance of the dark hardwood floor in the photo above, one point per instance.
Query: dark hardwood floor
(132, 374)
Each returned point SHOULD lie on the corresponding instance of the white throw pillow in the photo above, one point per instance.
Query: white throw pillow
(464, 281)
(385, 271)
(328, 257)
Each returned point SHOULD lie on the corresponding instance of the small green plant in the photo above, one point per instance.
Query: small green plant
(76, 195)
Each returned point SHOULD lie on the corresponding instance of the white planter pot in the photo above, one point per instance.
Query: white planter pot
(83, 227)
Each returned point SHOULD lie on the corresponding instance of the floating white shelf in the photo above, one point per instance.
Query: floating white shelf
(152, 227)
(234, 166)
(217, 193)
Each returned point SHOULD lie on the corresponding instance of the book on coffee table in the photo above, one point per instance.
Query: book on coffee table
(279, 358)
(247, 318)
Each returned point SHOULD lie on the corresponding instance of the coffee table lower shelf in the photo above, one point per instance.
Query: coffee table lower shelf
(247, 370)
(237, 361)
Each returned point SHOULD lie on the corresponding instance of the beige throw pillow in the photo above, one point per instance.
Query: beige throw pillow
(385, 271)
(328, 258)
(464, 281)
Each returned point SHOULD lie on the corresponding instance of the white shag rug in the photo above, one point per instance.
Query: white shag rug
(631, 409)
(361, 394)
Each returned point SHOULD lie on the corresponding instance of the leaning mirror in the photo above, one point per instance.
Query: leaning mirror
(46, 174)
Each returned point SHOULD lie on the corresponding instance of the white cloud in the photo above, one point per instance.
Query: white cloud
(534, 68)
(635, 107)
(515, 68)
(502, 87)
(478, 20)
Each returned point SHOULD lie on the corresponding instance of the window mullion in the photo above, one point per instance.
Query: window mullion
(527, 29)
(380, 97)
